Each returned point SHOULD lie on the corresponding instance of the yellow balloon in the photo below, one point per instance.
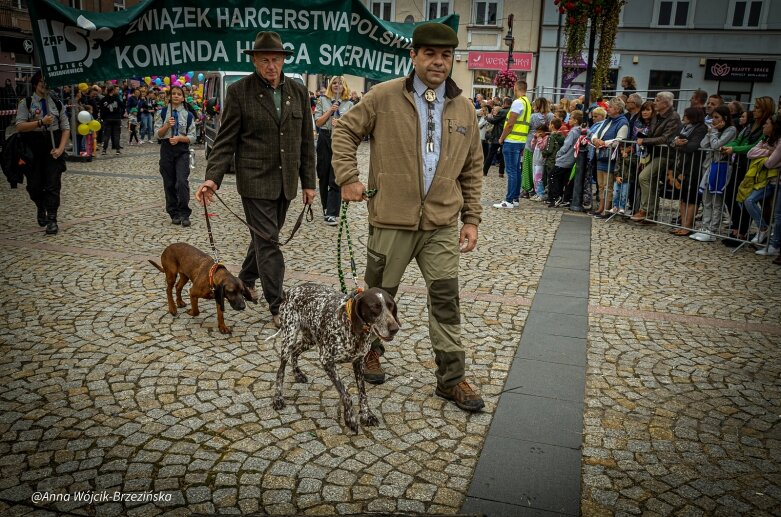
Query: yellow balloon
(93, 125)
(83, 129)
(167, 80)
(83, 87)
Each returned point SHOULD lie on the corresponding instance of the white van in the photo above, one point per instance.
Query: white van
(215, 85)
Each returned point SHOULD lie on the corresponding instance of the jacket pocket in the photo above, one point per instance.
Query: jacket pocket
(443, 202)
(397, 202)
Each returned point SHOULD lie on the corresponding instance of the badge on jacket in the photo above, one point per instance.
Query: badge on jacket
(461, 129)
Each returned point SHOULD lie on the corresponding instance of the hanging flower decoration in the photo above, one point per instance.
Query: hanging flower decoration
(603, 15)
(505, 79)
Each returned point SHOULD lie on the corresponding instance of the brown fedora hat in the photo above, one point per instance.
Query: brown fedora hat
(268, 42)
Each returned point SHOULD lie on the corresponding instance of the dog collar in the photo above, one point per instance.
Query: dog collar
(212, 271)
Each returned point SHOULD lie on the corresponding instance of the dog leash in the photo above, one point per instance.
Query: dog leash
(343, 225)
(215, 253)
(307, 210)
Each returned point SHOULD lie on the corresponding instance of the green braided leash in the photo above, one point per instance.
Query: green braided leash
(344, 226)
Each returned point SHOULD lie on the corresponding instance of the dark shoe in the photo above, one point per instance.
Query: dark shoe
(639, 215)
(176, 220)
(646, 222)
(731, 243)
(462, 395)
(52, 228)
(276, 320)
(777, 260)
(253, 294)
(41, 216)
(118, 152)
(186, 222)
(372, 371)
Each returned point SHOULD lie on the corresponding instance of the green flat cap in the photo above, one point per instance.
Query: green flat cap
(434, 35)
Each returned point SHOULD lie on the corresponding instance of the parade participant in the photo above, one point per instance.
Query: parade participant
(46, 132)
(175, 126)
(513, 141)
(111, 110)
(335, 103)
(426, 165)
(265, 115)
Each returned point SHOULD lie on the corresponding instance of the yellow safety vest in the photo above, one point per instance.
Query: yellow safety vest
(520, 131)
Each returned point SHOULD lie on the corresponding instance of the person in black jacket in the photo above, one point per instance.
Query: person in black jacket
(111, 110)
(497, 119)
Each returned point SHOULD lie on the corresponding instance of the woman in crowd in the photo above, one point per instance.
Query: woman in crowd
(715, 173)
(736, 112)
(684, 177)
(760, 182)
(614, 129)
(598, 115)
(330, 107)
(774, 162)
(629, 85)
(175, 127)
(764, 107)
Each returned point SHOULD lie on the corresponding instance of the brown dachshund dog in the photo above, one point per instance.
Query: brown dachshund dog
(210, 280)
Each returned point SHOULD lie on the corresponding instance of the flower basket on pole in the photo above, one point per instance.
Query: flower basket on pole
(505, 80)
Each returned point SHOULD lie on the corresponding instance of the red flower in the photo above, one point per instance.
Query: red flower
(570, 6)
(561, 10)
(598, 9)
(571, 20)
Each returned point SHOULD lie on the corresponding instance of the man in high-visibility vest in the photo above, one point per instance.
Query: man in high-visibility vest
(513, 140)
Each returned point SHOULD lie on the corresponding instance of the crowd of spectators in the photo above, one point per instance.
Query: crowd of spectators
(717, 162)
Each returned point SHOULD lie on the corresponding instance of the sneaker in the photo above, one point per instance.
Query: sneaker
(330, 220)
(176, 220)
(103, 153)
(759, 238)
(504, 204)
(185, 222)
(118, 152)
(372, 370)
(615, 210)
(524, 194)
(52, 228)
(770, 250)
(516, 203)
(535, 197)
(702, 237)
(462, 395)
(622, 211)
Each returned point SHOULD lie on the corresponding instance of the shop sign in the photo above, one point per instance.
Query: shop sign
(735, 70)
(582, 61)
(522, 61)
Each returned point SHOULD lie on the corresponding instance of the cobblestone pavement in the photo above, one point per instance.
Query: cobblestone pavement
(101, 389)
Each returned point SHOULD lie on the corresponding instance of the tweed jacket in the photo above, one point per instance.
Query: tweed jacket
(272, 155)
(388, 113)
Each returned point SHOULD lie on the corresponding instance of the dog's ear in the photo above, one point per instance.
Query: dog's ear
(357, 318)
(245, 292)
(395, 315)
(219, 296)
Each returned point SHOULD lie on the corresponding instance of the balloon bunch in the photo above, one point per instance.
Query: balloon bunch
(87, 124)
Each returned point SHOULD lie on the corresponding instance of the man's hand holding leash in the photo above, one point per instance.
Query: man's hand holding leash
(355, 191)
(205, 192)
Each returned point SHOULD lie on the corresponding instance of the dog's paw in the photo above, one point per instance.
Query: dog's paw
(300, 377)
(172, 312)
(192, 312)
(352, 424)
(278, 403)
(224, 329)
(181, 304)
(369, 420)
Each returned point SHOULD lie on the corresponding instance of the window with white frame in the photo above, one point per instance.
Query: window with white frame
(383, 10)
(746, 14)
(673, 13)
(486, 13)
(119, 5)
(438, 9)
(20, 4)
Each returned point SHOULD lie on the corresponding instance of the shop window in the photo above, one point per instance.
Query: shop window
(438, 9)
(664, 81)
(486, 13)
(383, 10)
(483, 83)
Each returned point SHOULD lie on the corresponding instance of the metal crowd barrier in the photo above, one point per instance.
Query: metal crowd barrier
(681, 191)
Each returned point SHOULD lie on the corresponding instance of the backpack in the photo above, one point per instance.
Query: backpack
(17, 157)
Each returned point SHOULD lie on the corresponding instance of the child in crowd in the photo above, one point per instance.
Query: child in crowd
(564, 160)
(539, 142)
(132, 125)
(555, 141)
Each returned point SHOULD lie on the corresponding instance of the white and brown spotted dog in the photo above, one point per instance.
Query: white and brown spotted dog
(342, 334)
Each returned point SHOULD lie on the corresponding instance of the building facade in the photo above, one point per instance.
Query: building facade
(728, 47)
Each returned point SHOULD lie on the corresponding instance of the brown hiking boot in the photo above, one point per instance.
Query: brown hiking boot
(372, 371)
(462, 395)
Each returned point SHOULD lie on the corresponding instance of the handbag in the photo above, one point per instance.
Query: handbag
(717, 177)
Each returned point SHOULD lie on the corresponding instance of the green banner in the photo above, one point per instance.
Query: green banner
(161, 37)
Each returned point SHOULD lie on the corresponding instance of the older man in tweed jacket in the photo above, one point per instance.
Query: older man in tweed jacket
(267, 125)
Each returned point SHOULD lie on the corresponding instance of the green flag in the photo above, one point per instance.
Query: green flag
(161, 37)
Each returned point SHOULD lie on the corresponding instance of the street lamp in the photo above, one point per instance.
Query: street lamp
(509, 40)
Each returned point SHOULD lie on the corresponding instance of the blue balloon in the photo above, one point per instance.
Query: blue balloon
(200, 77)
(187, 84)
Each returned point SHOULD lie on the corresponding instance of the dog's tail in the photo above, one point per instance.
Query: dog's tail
(157, 266)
